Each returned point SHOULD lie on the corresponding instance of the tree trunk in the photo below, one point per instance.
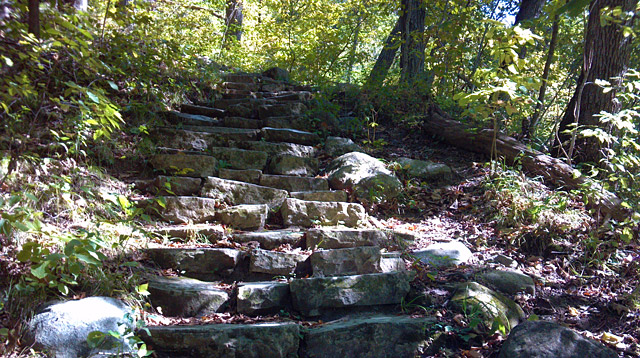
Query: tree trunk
(554, 171)
(412, 49)
(529, 123)
(529, 10)
(606, 57)
(385, 58)
(234, 19)
(34, 18)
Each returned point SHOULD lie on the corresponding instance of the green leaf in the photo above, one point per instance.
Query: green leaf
(40, 271)
(95, 338)
(574, 7)
(143, 289)
(64, 289)
(93, 97)
(113, 85)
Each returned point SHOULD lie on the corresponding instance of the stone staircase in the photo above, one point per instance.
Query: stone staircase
(241, 175)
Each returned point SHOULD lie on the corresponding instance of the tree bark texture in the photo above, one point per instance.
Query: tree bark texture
(412, 48)
(34, 18)
(385, 58)
(529, 10)
(606, 57)
(439, 124)
(234, 19)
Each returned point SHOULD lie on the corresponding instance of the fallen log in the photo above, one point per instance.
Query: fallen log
(535, 163)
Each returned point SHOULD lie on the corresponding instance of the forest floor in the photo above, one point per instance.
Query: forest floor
(583, 280)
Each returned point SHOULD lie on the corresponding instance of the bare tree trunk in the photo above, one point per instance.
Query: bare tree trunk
(529, 10)
(34, 18)
(606, 53)
(234, 19)
(385, 58)
(553, 170)
(412, 49)
(529, 123)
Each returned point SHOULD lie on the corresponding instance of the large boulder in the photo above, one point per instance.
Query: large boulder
(182, 209)
(490, 307)
(186, 297)
(343, 262)
(539, 339)
(275, 262)
(61, 329)
(508, 281)
(262, 297)
(277, 73)
(244, 217)
(236, 192)
(366, 176)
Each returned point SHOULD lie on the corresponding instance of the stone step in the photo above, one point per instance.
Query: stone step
(170, 185)
(304, 213)
(286, 164)
(344, 262)
(281, 109)
(312, 296)
(262, 340)
(182, 209)
(272, 148)
(284, 96)
(322, 195)
(292, 122)
(253, 103)
(336, 238)
(243, 86)
(371, 336)
(178, 118)
(186, 297)
(242, 159)
(289, 135)
(244, 217)
(251, 176)
(181, 164)
(270, 240)
(234, 192)
(242, 77)
(239, 94)
(275, 263)
(202, 110)
(239, 122)
(210, 232)
(293, 183)
(259, 298)
(207, 264)
(201, 138)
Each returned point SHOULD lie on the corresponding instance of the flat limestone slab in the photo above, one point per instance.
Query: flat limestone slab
(239, 122)
(309, 213)
(197, 119)
(293, 183)
(211, 232)
(186, 297)
(177, 185)
(262, 297)
(201, 110)
(370, 337)
(264, 340)
(343, 262)
(270, 240)
(182, 209)
(285, 164)
(241, 159)
(274, 262)
(236, 192)
(203, 263)
(290, 136)
(272, 148)
(247, 175)
(322, 195)
(336, 238)
(312, 295)
(191, 165)
(244, 217)
(225, 134)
